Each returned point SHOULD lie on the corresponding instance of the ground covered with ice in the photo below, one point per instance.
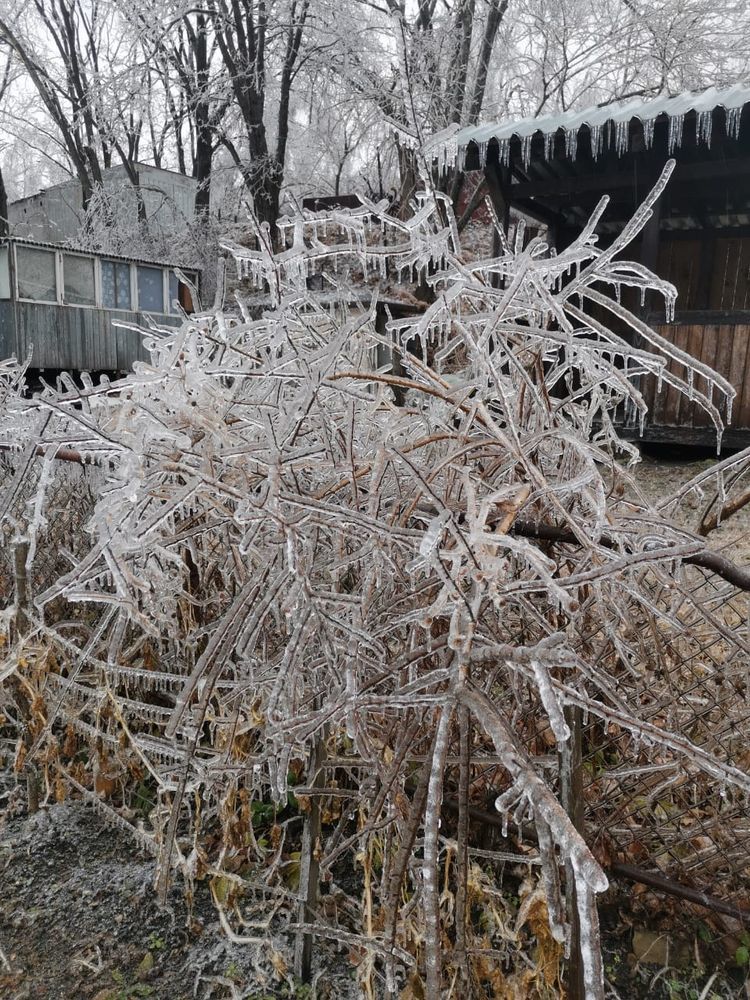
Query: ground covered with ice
(79, 920)
(663, 471)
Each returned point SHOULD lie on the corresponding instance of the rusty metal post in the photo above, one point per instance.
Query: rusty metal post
(309, 877)
(21, 586)
(21, 604)
(571, 796)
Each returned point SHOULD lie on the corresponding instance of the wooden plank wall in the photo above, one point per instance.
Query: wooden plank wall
(679, 262)
(730, 287)
(726, 348)
(73, 338)
(726, 288)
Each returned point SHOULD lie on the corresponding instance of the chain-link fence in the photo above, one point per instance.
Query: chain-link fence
(55, 535)
(643, 805)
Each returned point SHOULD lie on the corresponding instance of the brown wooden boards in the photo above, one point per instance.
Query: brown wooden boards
(724, 347)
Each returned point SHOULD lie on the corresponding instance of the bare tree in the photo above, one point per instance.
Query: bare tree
(180, 42)
(249, 35)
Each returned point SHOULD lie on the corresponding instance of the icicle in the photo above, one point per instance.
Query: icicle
(504, 151)
(675, 133)
(526, 149)
(588, 929)
(549, 144)
(571, 143)
(351, 692)
(703, 123)
(551, 880)
(648, 125)
(551, 704)
(282, 775)
(520, 232)
(622, 136)
(595, 132)
(733, 116)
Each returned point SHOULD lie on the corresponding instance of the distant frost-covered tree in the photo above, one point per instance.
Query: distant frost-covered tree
(307, 564)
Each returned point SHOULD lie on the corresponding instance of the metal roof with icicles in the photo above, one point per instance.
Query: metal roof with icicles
(608, 125)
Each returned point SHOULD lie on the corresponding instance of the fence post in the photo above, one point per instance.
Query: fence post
(21, 604)
(571, 795)
(21, 586)
(309, 875)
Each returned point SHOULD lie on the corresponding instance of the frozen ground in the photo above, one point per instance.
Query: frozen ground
(660, 476)
(79, 920)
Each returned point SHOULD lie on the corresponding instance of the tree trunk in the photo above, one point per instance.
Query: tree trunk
(4, 222)
(204, 137)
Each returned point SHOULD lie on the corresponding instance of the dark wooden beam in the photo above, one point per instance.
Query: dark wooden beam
(705, 270)
(650, 252)
(704, 317)
(553, 220)
(498, 185)
(703, 437)
(498, 182)
(710, 232)
(611, 181)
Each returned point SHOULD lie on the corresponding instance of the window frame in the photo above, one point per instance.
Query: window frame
(164, 281)
(98, 259)
(131, 289)
(56, 267)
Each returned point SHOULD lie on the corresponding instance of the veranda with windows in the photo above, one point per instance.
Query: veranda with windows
(75, 311)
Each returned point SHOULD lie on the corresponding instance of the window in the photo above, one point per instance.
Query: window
(115, 285)
(36, 274)
(174, 292)
(150, 289)
(180, 294)
(78, 273)
(186, 296)
(180, 297)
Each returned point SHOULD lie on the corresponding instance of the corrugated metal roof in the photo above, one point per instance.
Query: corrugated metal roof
(103, 254)
(607, 124)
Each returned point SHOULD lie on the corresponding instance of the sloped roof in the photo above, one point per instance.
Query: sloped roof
(27, 241)
(608, 124)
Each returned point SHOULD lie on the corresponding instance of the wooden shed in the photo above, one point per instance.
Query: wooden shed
(71, 311)
(556, 168)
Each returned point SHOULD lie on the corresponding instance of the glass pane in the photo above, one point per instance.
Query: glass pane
(115, 285)
(109, 299)
(174, 291)
(150, 289)
(36, 274)
(123, 286)
(79, 280)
